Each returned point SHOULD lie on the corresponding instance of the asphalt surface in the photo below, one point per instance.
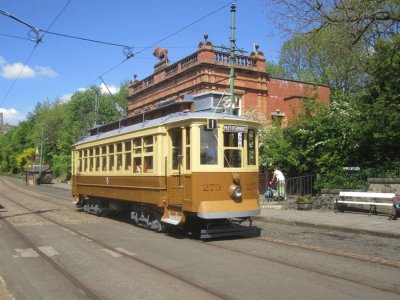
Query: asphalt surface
(348, 221)
(273, 212)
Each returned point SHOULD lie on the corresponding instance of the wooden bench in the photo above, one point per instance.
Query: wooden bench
(345, 198)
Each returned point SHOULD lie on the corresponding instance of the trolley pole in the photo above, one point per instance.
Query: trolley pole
(232, 58)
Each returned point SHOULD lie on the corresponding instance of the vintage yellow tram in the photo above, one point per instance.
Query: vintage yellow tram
(172, 166)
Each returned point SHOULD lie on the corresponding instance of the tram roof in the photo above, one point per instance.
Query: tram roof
(171, 118)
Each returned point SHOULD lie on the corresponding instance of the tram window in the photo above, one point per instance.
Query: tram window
(119, 147)
(111, 148)
(104, 162)
(187, 158)
(176, 139)
(128, 158)
(97, 163)
(137, 165)
(137, 144)
(119, 161)
(128, 146)
(208, 146)
(233, 144)
(85, 161)
(233, 158)
(231, 139)
(148, 164)
(97, 151)
(148, 144)
(80, 161)
(91, 164)
(251, 151)
(111, 157)
(187, 154)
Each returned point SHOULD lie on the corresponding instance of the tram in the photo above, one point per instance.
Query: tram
(172, 166)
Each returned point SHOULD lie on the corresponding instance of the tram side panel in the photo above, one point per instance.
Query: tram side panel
(212, 194)
(146, 189)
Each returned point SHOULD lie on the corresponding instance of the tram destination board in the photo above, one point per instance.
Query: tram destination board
(235, 128)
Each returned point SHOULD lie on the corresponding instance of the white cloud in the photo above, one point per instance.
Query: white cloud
(21, 71)
(17, 70)
(45, 71)
(113, 89)
(66, 97)
(12, 116)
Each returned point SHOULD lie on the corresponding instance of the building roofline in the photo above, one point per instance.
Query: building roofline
(298, 81)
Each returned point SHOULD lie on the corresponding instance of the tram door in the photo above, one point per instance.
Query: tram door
(176, 185)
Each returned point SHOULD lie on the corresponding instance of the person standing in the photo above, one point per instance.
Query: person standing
(280, 183)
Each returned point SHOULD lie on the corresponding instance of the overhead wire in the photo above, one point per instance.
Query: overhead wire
(163, 39)
(14, 36)
(127, 49)
(34, 48)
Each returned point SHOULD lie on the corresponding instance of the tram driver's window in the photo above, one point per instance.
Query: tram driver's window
(233, 143)
(208, 146)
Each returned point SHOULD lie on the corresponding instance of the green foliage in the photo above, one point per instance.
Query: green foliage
(25, 159)
(62, 124)
(304, 199)
(359, 129)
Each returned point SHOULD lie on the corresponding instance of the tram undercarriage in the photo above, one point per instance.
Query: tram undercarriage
(149, 217)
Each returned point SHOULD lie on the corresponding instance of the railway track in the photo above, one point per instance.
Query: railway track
(263, 239)
(74, 280)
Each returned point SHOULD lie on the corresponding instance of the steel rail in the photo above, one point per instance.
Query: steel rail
(134, 258)
(310, 269)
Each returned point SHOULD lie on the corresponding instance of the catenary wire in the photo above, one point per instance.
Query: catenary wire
(161, 40)
(34, 48)
(14, 36)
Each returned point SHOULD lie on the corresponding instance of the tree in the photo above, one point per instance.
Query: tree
(363, 20)
(25, 159)
(379, 104)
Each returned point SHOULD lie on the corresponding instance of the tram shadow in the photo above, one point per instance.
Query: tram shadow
(230, 231)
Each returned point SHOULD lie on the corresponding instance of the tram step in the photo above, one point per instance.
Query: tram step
(231, 230)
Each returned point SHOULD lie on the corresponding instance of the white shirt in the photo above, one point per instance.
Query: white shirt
(279, 175)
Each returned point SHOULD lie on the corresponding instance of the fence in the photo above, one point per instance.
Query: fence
(302, 185)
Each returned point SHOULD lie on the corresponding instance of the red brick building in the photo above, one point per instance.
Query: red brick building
(208, 69)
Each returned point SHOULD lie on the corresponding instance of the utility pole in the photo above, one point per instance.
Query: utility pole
(41, 156)
(232, 58)
(96, 107)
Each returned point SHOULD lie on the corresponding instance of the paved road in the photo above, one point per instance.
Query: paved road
(116, 260)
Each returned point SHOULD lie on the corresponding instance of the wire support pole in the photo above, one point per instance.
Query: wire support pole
(232, 58)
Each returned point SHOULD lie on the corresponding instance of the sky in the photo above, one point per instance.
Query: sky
(58, 66)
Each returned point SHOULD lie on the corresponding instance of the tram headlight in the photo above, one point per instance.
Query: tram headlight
(236, 192)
